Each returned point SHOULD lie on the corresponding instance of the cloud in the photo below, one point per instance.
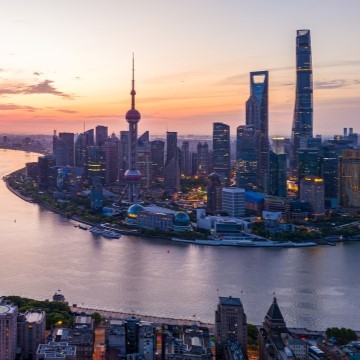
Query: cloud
(36, 73)
(334, 84)
(7, 107)
(67, 111)
(44, 87)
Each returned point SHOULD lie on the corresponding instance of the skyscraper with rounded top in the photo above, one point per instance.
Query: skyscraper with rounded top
(302, 128)
(132, 175)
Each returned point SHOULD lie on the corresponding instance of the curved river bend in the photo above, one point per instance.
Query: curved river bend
(42, 252)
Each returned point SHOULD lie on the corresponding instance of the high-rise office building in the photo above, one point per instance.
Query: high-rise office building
(157, 153)
(96, 164)
(63, 149)
(278, 145)
(172, 170)
(214, 194)
(123, 154)
(144, 159)
(111, 150)
(132, 175)
(277, 174)
(302, 128)
(349, 174)
(330, 174)
(45, 163)
(312, 191)
(231, 322)
(82, 142)
(221, 161)
(185, 149)
(257, 115)
(233, 201)
(8, 330)
(101, 133)
(308, 163)
(203, 159)
(246, 157)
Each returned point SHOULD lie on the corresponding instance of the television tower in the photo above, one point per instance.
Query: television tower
(132, 175)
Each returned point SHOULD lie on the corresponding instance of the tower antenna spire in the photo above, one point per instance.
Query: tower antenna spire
(133, 92)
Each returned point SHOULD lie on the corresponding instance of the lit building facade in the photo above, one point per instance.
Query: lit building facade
(350, 178)
(246, 157)
(257, 115)
(221, 152)
(302, 128)
(312, 191)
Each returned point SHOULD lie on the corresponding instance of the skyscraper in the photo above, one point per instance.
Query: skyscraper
(246, 157)
(203, 159)
(63, 149)
(350, 178)
(132, 175)
(157, 149)
(172, 169)
(302, 128)
(185, 149)
(221, 152)
(101, 134)
(257, 115)
(312, 191)
(111, 149)
(214, 194)
(231, 322)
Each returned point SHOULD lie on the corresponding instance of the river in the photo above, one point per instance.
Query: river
(42, 252)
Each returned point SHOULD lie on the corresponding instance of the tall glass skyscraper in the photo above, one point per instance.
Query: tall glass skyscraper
(221, 152)
(302, 128)
(257, 115)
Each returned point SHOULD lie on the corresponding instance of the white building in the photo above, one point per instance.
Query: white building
(233, 201)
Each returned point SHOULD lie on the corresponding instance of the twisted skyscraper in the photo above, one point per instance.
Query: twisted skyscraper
(302, 128)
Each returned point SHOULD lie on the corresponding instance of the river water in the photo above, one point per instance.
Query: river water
(42, 252)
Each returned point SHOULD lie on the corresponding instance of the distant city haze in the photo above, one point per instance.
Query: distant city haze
(42, 252)
(67, 65)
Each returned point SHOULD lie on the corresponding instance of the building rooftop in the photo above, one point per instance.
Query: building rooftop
(34, 316)
(58, 350)
(274, 314)
(230, 301)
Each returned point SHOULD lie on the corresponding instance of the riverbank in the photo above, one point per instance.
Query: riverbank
(250, 241)
(114, 314)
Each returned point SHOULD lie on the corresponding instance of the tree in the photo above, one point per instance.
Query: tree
(97, 318)
(342, 335)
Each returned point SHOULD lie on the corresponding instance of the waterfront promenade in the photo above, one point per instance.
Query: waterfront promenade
(112, 314)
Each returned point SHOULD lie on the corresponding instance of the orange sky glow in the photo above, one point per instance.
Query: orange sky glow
(67, 66)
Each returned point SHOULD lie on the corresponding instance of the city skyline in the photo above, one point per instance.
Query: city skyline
(193, 64)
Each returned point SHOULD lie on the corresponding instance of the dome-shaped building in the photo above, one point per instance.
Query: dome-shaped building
(132, 214)
(181, 221)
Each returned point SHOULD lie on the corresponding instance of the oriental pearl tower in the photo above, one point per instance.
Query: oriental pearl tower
(133, 175)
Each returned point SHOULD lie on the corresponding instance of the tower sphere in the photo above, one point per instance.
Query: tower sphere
(132, 175)
(133, 116)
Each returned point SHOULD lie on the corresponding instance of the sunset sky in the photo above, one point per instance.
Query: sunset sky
(66, 64)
